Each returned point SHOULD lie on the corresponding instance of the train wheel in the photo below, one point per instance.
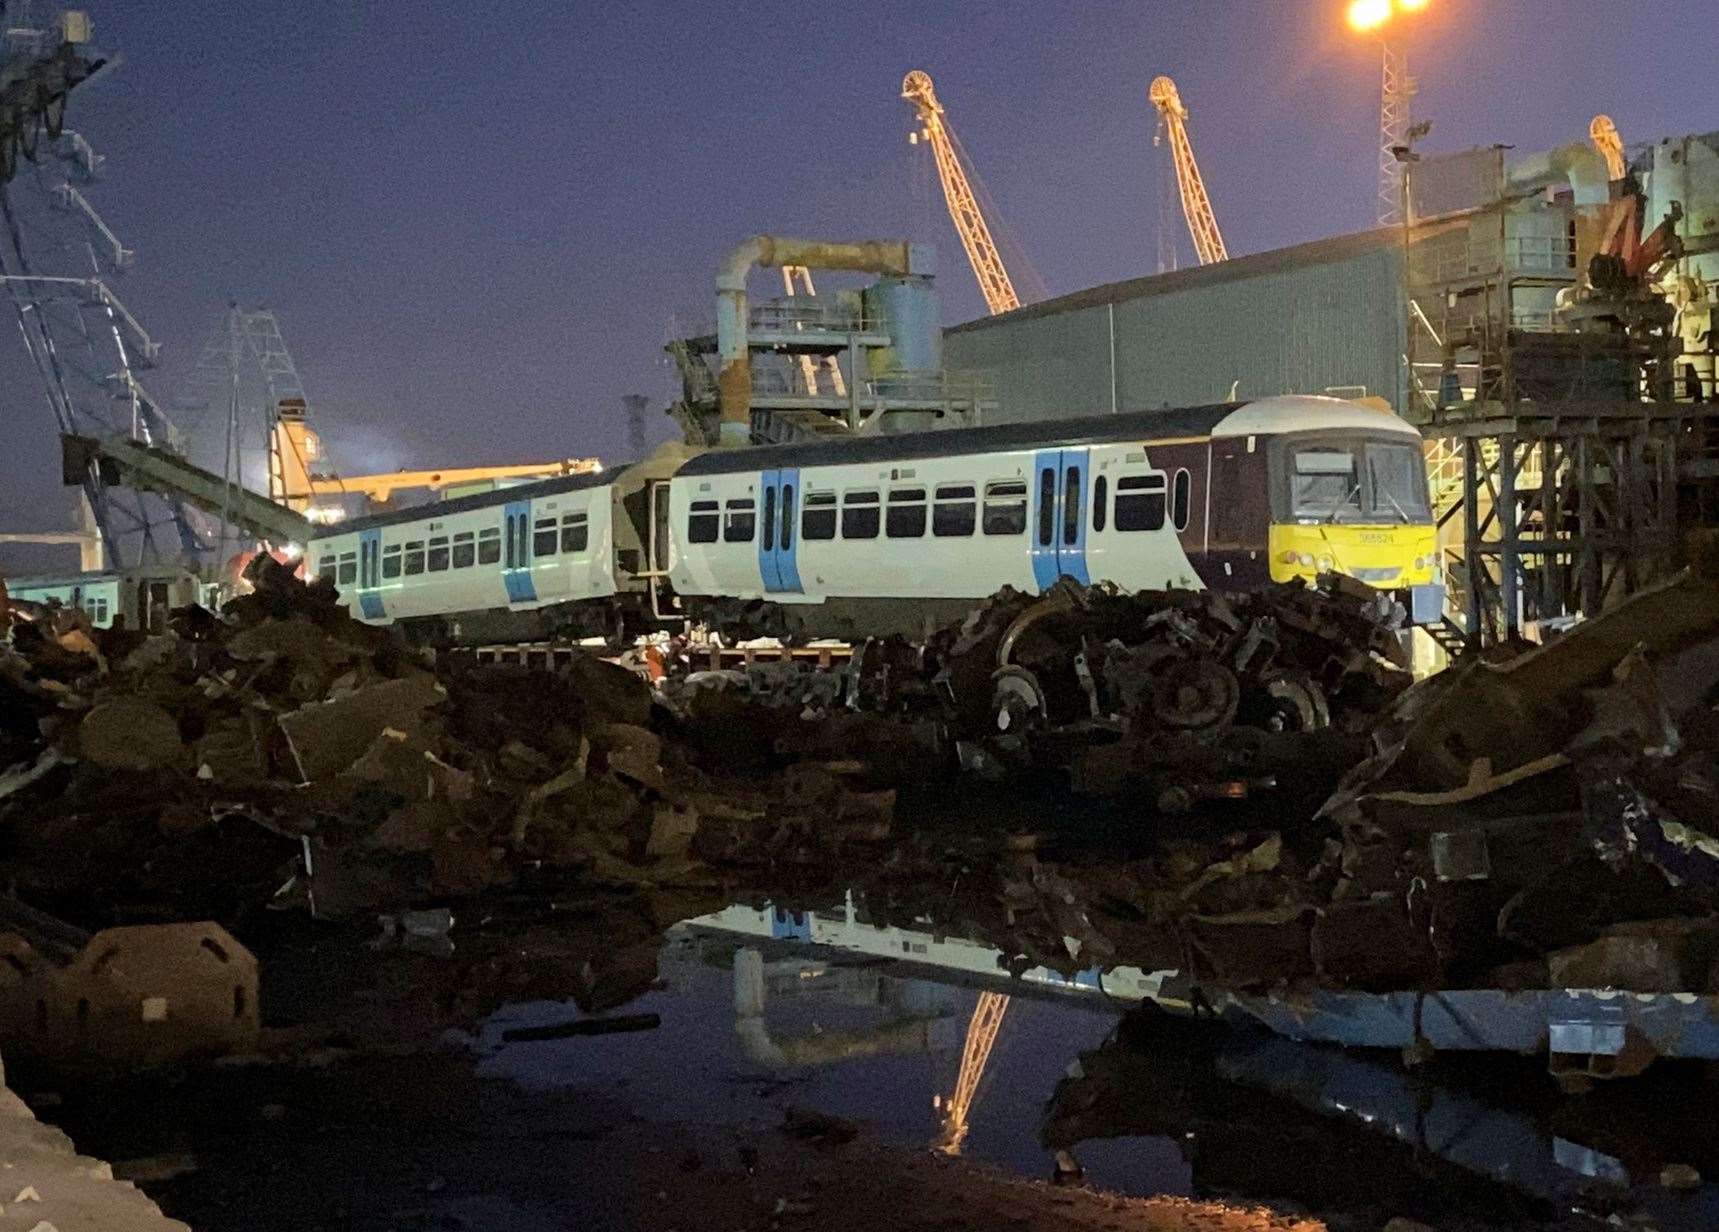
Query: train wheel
(1196, 695)
(1017, 702)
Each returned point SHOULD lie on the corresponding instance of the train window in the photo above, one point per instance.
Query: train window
(545, 536)
(787, 516)
(489, 546)
(770, 519)
(1140, 502)
(819, 520)
(703, 522)
(1396, 477)
(906, 516)
(859, 515)
(1326, 482)
(1181, 499)
(437, 561)
(575, 532)
(955, 513)
(414, 558)
(1005, 507)
(1100, 501)
(465, 550)
(327, 567)
(348, 568)
(740, 522)
(391, 561)
(1071, 506)
(1047, 506)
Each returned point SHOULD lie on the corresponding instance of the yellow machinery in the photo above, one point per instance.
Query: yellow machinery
(297, 482)
(1196, 205)
(994, 282)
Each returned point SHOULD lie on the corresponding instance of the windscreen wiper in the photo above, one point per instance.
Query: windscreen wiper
(1343, 504)
(1401, 512)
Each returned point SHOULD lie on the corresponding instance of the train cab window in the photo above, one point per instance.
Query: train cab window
(1100, 502)
(819, 519)
(1047, 507)
(327, 567)
(575, 532)
(1326, 482)
(437, 561)
(545, 535)
(414, 558)
(391, 561)
(1396, 479)
(740, 521)
(1140, 502)
(859, 515)
(906, 516)
(1181, 499)
(348, 568)
(465, 550)
(955, 513)
(703, 522)
(489, 546)
(1005, 507)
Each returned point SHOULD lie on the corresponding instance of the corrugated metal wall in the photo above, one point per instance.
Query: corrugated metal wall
(1301, 320)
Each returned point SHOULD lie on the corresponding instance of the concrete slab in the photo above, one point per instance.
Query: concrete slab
(46, 1186)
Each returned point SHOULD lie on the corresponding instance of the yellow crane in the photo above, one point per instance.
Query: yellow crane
(981, 1037)
(987, 262)
(1196, 205)
(1604, 134)
(295, 449)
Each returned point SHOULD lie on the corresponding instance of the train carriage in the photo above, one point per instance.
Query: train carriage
(901, 533)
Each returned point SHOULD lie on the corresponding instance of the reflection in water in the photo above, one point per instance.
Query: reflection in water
(981, 1037)
(1165, 1104)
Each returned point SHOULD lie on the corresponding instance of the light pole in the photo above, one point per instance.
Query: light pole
(1396, 102)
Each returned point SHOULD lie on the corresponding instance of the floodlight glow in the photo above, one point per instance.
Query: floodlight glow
(1365, 15)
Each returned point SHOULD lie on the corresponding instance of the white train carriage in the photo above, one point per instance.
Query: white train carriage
(131, 598)
(902, 533)
(517, 550)
(559, 556)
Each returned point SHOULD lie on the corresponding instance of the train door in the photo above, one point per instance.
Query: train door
(1061, 488)
(370, 574)
(516, 552)
(778, 542)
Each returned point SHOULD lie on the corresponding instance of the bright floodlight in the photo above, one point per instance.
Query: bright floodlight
(1367, 15)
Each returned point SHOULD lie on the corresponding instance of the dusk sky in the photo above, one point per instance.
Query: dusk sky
(478, 221)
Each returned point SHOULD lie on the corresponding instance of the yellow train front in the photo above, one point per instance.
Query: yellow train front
(1355, 501)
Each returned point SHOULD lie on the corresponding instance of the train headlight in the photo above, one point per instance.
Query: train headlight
(1304, 560)
(1326, 564)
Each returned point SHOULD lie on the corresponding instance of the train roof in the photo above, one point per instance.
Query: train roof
(477, 500)
(1266, 415)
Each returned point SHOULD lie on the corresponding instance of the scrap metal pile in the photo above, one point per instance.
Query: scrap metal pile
(286, 755)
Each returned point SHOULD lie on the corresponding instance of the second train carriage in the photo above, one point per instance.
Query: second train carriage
(902, 533)
(886, 534)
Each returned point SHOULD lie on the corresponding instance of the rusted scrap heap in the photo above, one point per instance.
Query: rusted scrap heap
(1548, 821)
(191, 775)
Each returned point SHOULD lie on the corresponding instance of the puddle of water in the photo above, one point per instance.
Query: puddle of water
(743, 1039)
(757, 1019)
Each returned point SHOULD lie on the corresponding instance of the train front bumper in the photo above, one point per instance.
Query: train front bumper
(1402, 559)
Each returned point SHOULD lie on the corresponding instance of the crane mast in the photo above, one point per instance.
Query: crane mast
(1603, 132)
(1196, 205)
(987, 262)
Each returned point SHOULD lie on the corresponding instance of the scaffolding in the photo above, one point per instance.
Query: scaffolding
(1565, 469)
(58, 260)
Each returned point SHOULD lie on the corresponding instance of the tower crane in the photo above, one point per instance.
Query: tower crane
(976, 1048)
(994, 282)
(1196, 205)
(1604, 134)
